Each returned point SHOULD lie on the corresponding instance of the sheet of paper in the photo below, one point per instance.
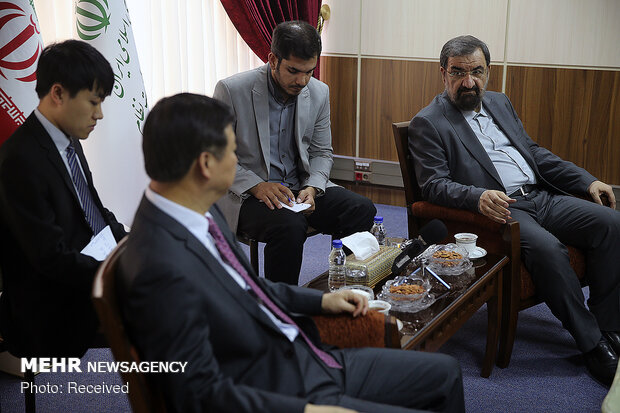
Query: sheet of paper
(101, 245)
(297, 207)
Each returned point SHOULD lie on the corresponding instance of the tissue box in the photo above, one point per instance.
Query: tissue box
(378, 266)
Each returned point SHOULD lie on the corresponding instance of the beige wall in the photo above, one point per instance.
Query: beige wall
(550, 32)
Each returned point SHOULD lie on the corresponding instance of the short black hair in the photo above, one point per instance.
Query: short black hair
(297, 38)
(463, 46)
(178, 129)
(76, 65)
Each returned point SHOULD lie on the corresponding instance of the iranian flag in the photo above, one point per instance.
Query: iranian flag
(20, 47)
(114, 149)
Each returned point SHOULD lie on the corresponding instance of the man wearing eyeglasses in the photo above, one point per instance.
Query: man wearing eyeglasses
(472, 152)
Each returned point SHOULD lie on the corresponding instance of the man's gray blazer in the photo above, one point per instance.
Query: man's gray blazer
(453, 168)
(248, 95)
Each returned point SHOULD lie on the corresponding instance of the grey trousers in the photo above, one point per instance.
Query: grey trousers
(379, 380)
(548, 222)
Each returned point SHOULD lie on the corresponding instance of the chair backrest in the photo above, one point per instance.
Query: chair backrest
(401, 139)
(412, 190)
(142, 396)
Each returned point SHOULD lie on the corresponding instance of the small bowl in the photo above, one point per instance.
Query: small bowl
(407, 302)
(380, 306)
(449, 259)
(360, 289)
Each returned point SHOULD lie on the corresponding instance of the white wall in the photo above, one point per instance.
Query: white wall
(537, 32)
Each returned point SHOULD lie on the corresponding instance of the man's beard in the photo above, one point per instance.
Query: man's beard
(468, 101)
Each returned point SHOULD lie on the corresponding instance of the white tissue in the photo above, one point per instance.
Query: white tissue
(362, 244)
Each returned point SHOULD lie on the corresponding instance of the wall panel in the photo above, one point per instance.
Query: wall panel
(564, 32)
(394, 91)
(340, 73)
(419, 28)
(341, 33)
(575, 113)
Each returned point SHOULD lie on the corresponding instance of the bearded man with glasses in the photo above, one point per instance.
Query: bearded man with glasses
(472, 152)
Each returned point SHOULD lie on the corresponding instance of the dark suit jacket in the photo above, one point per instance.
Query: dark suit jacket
(452, 167)
(180, 304)
(45, 309)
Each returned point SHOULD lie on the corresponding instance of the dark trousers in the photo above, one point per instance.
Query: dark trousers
(547, 223)
(338, 212)
(379, 380)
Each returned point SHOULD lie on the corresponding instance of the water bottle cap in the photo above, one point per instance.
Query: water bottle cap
(378, 219)
(337, 243)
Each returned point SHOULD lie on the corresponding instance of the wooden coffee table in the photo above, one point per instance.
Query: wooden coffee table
(429, 329)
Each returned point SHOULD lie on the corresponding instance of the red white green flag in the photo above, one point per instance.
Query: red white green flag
(114, 149)
(20, 47)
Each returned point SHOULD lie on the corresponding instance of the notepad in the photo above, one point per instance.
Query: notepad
(101, 245)
(296, 207)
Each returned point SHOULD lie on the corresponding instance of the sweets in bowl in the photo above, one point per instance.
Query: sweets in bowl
(449, 259)
(407, 294)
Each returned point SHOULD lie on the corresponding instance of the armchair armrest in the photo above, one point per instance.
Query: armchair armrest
(426, 210)
(495, 237)
(372, 330)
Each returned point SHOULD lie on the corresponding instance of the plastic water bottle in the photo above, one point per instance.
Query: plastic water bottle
(378, 230)
(337, 270)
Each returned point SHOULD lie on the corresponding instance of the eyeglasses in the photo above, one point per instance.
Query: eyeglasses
(459, 74)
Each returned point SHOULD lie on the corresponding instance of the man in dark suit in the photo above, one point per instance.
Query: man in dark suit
(50, 210)
(189, 294)
(471, 152)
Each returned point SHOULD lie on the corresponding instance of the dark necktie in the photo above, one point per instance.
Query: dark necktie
(92, 213)
(228, 255)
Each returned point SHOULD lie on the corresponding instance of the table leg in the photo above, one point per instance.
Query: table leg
(494, 306)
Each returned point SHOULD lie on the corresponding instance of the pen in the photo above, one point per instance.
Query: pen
(287, 197)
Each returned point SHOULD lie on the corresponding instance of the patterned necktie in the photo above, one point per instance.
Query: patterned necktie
(92, 213)
(229, 255)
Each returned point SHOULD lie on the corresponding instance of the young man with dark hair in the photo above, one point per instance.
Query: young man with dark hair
(285, 153)
(472, 152)
(188, 294)
(50, 210)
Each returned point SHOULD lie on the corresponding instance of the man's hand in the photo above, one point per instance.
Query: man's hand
(345, 301)
(313, 408)
(306, 196)
(598, 188)
(272, 194)
(494, 204)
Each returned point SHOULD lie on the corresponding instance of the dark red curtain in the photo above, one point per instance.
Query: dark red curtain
(256, 19)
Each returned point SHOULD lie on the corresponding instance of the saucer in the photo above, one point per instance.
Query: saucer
(477, 253)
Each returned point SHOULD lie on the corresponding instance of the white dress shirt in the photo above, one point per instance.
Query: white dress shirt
(512, 168)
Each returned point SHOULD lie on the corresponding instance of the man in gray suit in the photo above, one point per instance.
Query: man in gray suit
(188, 294)
(472, 152)
(284, 149)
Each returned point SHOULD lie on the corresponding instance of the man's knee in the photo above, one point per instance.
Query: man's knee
(542, 245)
(449, 367)
(291, 226)
(361, 212)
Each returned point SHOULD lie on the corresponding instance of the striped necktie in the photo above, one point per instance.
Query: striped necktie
(91, 212)
(229, 255)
